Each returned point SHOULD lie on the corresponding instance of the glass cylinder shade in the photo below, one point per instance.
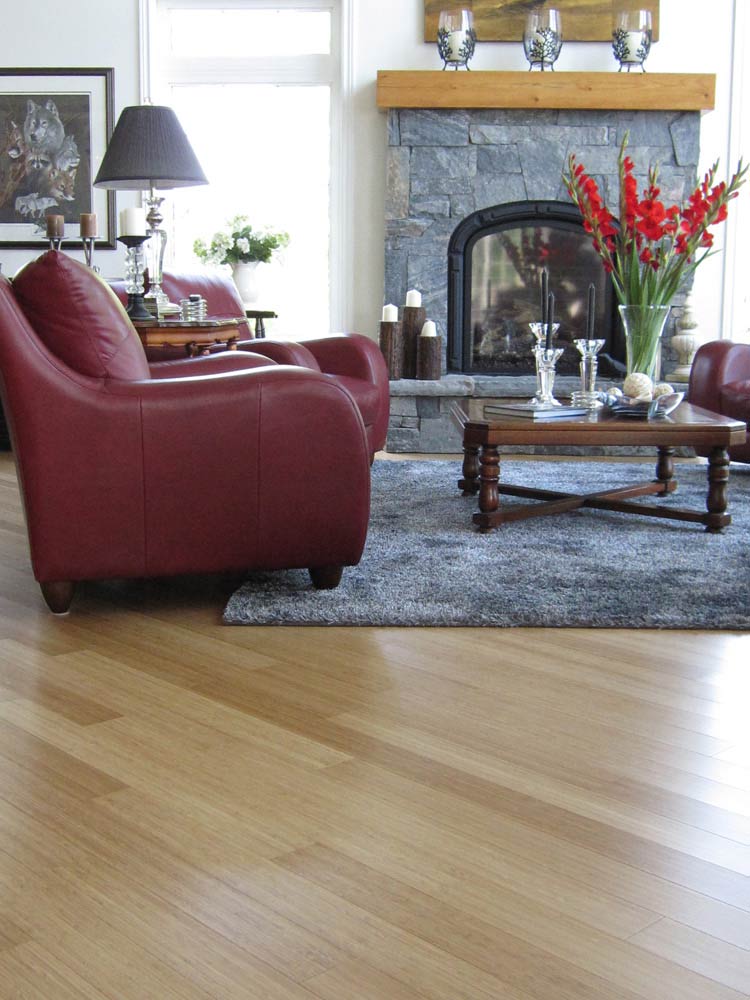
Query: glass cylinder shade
(643, 327)
(631, 38)
(543, 38)
(456, 38)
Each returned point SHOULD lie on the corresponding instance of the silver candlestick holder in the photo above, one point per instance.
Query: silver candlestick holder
(546, 362)
(136, 307)
(587, 395)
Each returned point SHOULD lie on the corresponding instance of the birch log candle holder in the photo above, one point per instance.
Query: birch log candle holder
(429, 353)
(392, 346)
(413, 320)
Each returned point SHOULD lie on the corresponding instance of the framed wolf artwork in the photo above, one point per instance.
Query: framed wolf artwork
(54, 128)
(504, 20)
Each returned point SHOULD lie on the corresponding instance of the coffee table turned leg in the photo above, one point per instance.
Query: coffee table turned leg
(665, 468)
(489, 495)
(470, 469)
(716, 502)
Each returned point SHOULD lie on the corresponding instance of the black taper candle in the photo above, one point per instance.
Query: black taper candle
(550, 320)
(545, 292)
(592, 312)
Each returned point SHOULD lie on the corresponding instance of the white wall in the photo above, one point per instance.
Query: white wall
(387, 35)
(76, 33)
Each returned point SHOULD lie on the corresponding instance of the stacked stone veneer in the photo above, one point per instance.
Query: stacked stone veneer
(444, 164)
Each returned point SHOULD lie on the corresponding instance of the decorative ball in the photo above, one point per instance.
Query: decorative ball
(638, 386)
(662, 389)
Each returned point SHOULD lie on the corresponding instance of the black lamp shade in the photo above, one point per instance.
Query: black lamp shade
(149, 149)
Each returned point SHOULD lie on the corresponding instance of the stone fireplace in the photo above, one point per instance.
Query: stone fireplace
(448, 166)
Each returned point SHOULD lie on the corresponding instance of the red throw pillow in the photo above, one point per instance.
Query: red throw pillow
(79, 318)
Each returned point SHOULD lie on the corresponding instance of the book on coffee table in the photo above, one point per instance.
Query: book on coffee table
(530, 412)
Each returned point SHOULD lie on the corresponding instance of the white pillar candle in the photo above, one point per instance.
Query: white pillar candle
(390, 313)
(633, 40)
(456, 40)
(133, 222)
(414, 298)
(429, 329)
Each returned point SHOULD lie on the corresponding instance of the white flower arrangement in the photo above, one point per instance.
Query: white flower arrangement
(241, 244)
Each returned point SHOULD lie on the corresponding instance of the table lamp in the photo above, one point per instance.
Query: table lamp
(150, 151)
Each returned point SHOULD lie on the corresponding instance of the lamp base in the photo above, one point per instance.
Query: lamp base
(136, 307)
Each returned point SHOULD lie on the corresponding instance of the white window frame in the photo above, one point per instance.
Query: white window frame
(735, 318)
(335, 70)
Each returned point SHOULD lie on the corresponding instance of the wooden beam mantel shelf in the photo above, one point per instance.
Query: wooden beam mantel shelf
(581, 91)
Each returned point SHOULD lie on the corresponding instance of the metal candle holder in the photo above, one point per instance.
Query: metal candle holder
(88, 250)
(456, 38)
(542, 38)
(136, 307)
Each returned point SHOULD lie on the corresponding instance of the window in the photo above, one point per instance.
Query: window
(255, 86)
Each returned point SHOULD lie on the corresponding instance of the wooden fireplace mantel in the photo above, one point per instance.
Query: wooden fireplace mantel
(554, 90)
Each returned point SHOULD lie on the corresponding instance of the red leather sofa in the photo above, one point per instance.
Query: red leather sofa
(355, 361)
(224, 462)
(720, 382)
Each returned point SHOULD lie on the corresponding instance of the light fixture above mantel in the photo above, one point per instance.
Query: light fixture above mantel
(548, 91)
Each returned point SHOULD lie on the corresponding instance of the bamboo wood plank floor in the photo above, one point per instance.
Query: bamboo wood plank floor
(190, 811)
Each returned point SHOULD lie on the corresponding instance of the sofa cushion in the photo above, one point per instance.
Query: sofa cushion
(79, 318)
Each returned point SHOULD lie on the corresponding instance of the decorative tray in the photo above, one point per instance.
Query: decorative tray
(646, 409)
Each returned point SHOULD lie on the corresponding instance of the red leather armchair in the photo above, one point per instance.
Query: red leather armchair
(351, 359)
(720, 382)
(225, 462)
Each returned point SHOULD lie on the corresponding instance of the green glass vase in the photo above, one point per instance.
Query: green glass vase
(644, 326)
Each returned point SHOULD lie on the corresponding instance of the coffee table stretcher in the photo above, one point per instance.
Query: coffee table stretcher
(481, 474)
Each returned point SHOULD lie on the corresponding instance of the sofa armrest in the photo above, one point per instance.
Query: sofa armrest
(247, 442)
(715, 364)
(349, 354)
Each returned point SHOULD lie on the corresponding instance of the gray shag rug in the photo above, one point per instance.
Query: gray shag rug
(425, 564)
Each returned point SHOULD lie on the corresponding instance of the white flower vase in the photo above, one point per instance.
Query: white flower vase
(245, 278)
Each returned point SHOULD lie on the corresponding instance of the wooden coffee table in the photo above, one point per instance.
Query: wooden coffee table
(687, 426)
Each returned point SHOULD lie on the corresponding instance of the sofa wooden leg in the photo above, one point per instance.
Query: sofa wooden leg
(58, 596)
(325, 577)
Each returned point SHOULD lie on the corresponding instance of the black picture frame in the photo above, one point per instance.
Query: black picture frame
(55, 125)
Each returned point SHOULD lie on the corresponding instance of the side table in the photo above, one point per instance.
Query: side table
(169, 338)
(259, 315)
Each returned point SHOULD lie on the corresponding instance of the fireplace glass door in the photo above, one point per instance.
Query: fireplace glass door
(500, 286)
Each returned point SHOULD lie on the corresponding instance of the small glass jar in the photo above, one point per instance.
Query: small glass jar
(631, 38)
(456, 38)
(193, 308)
(542, 38)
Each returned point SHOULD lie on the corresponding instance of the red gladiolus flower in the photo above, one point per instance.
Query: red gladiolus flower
(655, 246)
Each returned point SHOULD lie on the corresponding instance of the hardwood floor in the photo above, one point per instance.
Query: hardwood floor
(189, 810)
